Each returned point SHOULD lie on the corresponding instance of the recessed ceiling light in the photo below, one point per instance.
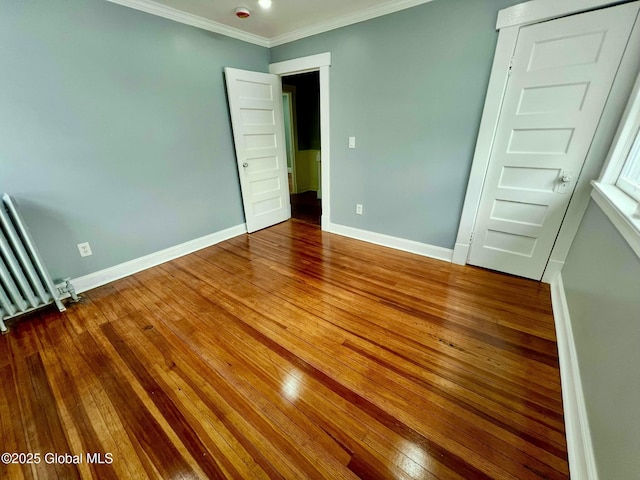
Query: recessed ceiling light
(264, 3)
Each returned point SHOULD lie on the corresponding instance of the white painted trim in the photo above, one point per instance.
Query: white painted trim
(102, 277)
(602, 141)
(292, 147)
(460, 253)
(325, 147)
(295, 66)
(493, 103)
(625, 136)
(345, 20)
(582, 463)
(553, 269)
(321, 62)
(405, 245)
(490, 115)
(179, 16)
(541, 10)
(619, 208)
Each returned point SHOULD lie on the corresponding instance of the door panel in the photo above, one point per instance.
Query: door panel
(562, 71)
(255, 103)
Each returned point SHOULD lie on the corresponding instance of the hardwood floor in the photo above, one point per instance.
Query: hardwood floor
(306, 207)
(291, 353)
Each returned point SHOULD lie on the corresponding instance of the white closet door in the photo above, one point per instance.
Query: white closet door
(562, 72)
(255, 103)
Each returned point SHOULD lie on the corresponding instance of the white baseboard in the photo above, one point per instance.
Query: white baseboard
(102, 277)
(411, 246)
(582, 462)
(460, 254)
(552, 271)
(307, 189)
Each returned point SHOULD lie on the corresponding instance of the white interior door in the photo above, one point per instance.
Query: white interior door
(255, 103)
(562, 71)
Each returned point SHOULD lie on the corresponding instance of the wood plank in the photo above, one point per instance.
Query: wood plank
(425, 339)
(418, 324)
(475, 322)
(91, 419)
(12, 431)
(44, 430)
(401, 403)
(256, 410)
(387, 334)
(131, 408)
(339, 419)
(291, 353)
(353, 425)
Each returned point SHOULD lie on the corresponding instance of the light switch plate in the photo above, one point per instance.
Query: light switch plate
(352, 142)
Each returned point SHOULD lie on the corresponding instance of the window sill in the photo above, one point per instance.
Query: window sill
(619, 208)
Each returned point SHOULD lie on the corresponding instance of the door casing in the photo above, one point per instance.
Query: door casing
(292, 143)
(320, 62)
(509, 22)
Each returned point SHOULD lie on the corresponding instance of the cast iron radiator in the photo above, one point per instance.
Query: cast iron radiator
(25, 283)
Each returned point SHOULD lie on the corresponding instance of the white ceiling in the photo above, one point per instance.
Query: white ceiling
(285, 21)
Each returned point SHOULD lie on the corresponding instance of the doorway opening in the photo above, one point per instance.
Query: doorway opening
(301, 107)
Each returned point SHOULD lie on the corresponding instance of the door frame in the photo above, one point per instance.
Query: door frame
(509, 22)
(290, 93)
(315, 63)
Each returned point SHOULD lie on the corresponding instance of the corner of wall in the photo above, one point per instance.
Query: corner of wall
(111, 274)
(552, 271)
(460, 254)
(582, 463)
(397, 243)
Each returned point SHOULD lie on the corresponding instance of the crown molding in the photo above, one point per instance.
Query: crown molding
(345, 20)
(170, 13)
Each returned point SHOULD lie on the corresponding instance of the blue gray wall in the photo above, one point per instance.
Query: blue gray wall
(602, 281)
(114, 126)
(114, 129)
(410, 87)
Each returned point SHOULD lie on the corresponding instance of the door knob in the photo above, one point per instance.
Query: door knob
(245, 164)
(565, 183)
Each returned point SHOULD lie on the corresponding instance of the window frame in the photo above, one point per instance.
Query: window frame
(631, 187)
(622, 209)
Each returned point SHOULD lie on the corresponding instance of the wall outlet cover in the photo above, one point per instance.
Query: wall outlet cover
(85, 249)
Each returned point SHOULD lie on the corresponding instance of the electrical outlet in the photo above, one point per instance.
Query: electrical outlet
(85, 249)
(358, 209)
(352, 142)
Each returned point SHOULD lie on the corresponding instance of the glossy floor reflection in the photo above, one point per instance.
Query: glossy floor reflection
(291, 353)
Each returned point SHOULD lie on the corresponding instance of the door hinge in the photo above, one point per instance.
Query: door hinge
(510, 66)
(471, 239)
